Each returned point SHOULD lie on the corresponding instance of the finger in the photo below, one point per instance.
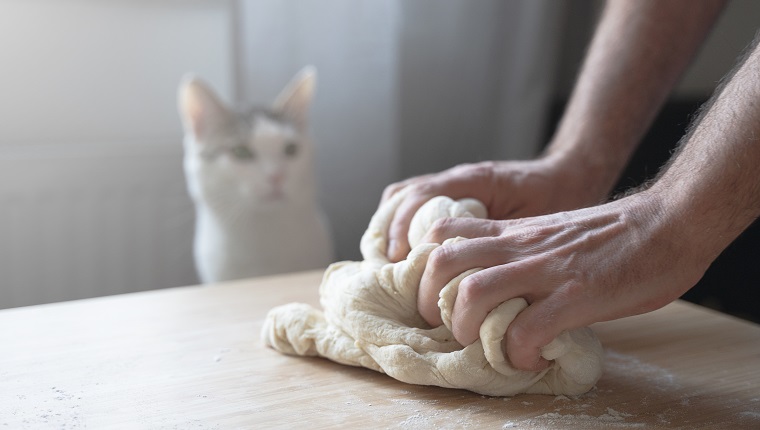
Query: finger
(482, 292)
(398, 231)
(390, 190)
(447, 228)
(535, 327)
(394, 188)
(448, 261)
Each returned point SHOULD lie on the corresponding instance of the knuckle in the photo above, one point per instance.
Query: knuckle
(390, 190)
(482, 170)
(471, 289)
(394, 187)
(442, 224)
(535, 232)
(424, 189)
(527, 235)
(462, 168)
(532, 238)
(438, 230)
(441, 257)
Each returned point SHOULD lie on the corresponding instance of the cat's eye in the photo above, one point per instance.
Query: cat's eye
(242, 152)
(291, 149)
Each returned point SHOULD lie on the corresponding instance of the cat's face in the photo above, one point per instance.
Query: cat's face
(260, 158)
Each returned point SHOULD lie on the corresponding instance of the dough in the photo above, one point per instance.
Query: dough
(370, 319)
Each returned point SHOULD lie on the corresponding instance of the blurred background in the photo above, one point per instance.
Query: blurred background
(92, 195)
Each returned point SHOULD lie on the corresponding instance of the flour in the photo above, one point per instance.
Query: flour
(612, 417)
(656, 377)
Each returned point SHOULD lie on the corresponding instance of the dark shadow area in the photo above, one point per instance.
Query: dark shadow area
(732, 283)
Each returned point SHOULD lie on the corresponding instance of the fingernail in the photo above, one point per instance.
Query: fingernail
(541, 364)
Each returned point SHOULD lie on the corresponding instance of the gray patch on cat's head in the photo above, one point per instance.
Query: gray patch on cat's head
(250, 115)
(244, 122)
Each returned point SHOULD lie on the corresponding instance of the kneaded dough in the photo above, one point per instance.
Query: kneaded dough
(370, 319)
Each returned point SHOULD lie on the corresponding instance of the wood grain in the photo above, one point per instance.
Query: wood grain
(192, 358)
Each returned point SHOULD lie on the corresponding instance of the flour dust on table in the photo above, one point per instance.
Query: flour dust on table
(370, 319)
(250, 174)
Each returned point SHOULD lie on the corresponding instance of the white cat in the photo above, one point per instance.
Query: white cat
(250, 175)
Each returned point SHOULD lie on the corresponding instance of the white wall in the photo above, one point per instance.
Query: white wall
(92, 197)
(87, 70)
(475, 80)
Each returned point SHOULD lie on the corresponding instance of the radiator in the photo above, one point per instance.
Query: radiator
(79, 221)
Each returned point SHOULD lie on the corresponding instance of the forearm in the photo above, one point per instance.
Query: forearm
(639, 51)
(710, 192)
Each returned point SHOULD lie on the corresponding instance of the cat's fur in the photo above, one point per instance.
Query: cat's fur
(250, 175)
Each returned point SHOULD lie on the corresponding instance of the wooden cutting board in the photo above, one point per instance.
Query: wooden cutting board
(192, 358)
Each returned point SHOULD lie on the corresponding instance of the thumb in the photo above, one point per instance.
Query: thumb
(533, 328)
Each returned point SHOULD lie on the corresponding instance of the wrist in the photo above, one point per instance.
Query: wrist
(589, 176)
(688, 227)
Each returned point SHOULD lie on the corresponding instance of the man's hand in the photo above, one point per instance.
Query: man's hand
(573, 268)
(509, 189)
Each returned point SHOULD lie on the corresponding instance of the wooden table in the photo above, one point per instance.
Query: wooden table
(191, 358)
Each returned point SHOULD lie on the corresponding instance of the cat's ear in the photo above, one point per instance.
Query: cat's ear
(200, 109)
(294, 100)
